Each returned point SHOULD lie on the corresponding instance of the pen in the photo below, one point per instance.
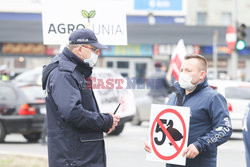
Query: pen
(117, 108)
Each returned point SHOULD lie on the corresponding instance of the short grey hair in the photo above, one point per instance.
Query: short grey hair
(72, 46)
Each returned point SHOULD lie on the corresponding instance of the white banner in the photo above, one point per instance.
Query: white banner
(168, 133)
(20, 6)
(106, 18)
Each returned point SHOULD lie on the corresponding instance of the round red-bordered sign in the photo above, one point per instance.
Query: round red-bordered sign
(157, 120)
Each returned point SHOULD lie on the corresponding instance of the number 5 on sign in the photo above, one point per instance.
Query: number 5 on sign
(168, 133)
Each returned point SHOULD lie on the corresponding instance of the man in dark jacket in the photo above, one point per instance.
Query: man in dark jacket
(161, 88)
(210, 124)
(75, 124)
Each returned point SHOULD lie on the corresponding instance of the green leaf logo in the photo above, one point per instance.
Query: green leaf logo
(92, 14)
(85, 14)
(88, 15)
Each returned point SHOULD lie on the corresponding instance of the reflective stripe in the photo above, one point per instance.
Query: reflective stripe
(83, 141)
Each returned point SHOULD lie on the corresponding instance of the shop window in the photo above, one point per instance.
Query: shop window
(226, 18)
(20, 62)
(140, 71)
(201, 18)
(122, 64)
(109, 64)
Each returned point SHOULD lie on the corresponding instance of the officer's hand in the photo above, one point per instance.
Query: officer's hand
(147, 147)
(190, 152)
(116, 119)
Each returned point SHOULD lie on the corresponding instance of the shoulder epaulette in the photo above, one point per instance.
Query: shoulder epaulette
(66, 66)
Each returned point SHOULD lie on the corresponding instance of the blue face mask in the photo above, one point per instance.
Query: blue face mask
(92, 60)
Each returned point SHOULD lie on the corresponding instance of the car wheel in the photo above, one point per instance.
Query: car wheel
(32, 137)
(2, 133)
(136, 119)
(117, 130)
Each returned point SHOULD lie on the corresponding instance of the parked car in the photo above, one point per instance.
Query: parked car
(21, 111)
(237, 94)
(143, 108)
(107, 98)
(30, 77)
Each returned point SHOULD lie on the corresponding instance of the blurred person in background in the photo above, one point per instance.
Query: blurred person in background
(75, 124)
(246, 134)
(4, 76)
(164, 67)
(210, 124)
(161, 88)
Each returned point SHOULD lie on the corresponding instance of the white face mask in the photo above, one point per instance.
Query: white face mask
(92, 60)
(185, 81)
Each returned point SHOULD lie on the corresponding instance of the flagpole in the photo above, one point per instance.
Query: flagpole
(169, 73)
(215, 54)
(234, 55)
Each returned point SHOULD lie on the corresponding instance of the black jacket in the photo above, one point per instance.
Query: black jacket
(161, 86)
(75, 124)
(210, 124)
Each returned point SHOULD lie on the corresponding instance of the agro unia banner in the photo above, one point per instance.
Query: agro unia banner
(106, 18)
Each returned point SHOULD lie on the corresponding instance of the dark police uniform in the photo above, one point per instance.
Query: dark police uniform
(75, 124)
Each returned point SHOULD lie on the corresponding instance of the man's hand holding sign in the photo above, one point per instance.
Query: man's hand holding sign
(210, 124)
(190, 152)
(169, 134)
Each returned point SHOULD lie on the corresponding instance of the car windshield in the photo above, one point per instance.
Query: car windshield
(33, 76)
(33, 92)
(238, 92)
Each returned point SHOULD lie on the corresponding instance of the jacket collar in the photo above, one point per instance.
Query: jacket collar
(81, 66)
(197, 89)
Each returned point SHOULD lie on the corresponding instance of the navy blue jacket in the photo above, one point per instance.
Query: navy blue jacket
(161, 87)
(246, 135)
(210, 124)
(75, 124)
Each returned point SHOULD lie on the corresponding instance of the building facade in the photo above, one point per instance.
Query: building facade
(218, 13)
(153, 31)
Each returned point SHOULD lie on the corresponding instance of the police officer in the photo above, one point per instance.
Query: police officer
(75, 124)
(4, 76)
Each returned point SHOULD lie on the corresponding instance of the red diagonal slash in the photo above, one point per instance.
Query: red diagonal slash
(168, 135)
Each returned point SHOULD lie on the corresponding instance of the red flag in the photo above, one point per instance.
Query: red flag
(177, 58)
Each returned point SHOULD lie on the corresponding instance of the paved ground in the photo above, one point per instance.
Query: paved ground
(127, 149)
